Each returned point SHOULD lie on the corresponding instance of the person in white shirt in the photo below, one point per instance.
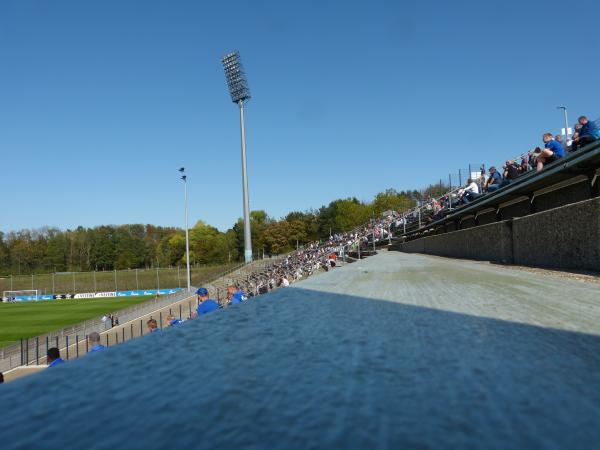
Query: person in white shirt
(469, 193)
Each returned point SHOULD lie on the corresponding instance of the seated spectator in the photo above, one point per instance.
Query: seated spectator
(173, 321)
(152, 326)
(525, 166)
(53, 357)
(469, 193)
(587, 134)
(285, 282)
(206, 305)
(553, 151)
(235, 296)
(494, 181)
(511, 172)
(94, 340)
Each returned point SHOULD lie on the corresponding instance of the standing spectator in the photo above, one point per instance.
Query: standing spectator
(152, 326)
(95, 344)
(206, 304)
(1, 378)
(587, 134)
(494, 181)
(332, 259)
(481, 179)
(53, 357)
(106, 321)
(553, 150)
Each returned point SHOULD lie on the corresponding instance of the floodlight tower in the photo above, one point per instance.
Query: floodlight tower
(187, 237)
(238, 89)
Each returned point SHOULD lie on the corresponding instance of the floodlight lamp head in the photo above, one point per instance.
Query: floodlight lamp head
(184, 178)
(182, 169)
(235, 77)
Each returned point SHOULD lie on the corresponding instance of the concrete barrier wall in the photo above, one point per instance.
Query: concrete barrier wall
(488, 242)
(567, 238)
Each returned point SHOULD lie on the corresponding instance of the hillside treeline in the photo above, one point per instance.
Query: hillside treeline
(109, 247)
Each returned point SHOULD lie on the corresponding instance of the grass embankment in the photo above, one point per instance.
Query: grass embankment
(28, 319)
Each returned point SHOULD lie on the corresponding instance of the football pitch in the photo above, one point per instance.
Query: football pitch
(28, 319)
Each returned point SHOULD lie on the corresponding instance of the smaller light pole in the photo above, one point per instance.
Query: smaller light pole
(187, 236)
(564, 108)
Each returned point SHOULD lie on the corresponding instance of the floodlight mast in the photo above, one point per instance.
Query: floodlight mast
(238, 89)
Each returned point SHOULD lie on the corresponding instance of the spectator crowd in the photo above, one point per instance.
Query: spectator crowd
(323, 256)
(552, 150)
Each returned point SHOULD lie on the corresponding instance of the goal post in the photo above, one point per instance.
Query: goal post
(20, 296)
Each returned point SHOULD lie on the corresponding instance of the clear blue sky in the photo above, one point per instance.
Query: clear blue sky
(101, 102)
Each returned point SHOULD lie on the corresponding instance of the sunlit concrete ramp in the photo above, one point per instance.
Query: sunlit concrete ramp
(396, 351)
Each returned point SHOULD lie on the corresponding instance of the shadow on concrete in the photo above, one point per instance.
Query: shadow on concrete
(305, 369)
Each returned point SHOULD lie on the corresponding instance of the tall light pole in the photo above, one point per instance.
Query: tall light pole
(238, 89)
(564, 108)
(187, 236)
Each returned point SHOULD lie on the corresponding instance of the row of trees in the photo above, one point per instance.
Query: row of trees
(110, 247)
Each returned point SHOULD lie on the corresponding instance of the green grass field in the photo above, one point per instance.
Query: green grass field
(29, 319)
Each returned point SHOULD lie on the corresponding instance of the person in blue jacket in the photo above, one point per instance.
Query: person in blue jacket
(587, 134)
(152, 325)
(235, 295)
(53, 357)
(206, 304)
(553, 150)
(173, 321)
(94, 342)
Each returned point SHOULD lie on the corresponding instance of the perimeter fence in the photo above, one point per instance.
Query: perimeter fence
(115, 280)
(72, 340)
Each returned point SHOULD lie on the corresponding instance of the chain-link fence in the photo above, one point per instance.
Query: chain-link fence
(102, 281)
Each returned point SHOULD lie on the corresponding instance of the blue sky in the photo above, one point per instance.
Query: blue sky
(101, 102)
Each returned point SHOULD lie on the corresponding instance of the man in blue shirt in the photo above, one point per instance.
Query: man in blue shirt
(587, 134)
(553, 151)
(53, 357)
(206, 305)
(235, 296)
(94, 342)
(152, 326)
(494, 181)
(172, 320)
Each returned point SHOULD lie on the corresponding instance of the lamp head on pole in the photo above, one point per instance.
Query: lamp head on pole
(236, 77)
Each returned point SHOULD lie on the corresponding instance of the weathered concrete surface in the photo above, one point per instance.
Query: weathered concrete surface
(396, 351)
(490, 242)
(567, 237)
(573, 192)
